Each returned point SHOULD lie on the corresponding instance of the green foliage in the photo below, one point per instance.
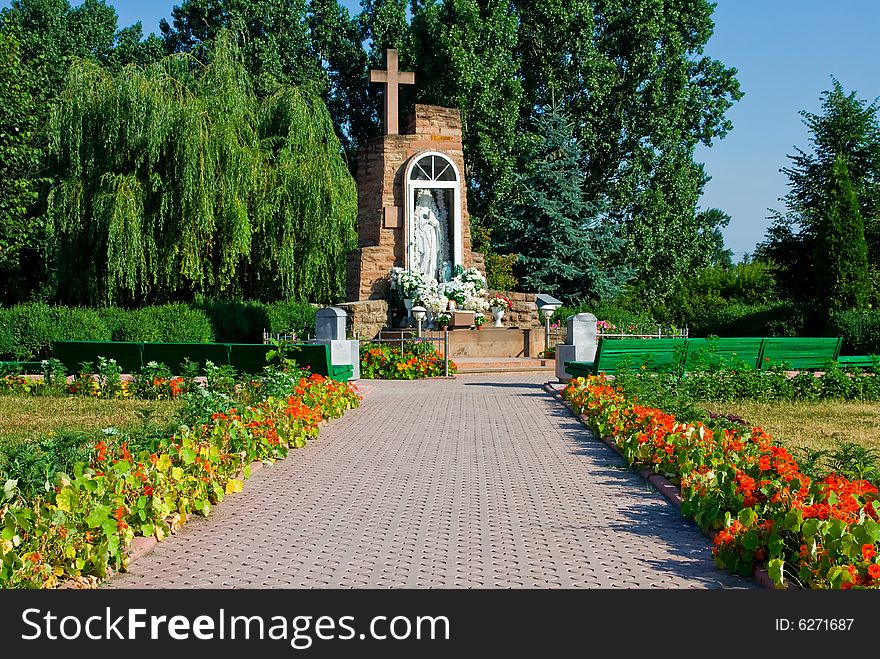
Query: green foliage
(19, 118)
(114, 486)
(234, 321)
(31, 328)
(291, 317)
(847, 126)
(464, 53)
(702, 296)
(624, 320)
(177, 180)
(499, 271)
(276, 46)
(563, 249)
(167, 323)
(411, 362)
(842, 280)
(771, 319)
(860, 331)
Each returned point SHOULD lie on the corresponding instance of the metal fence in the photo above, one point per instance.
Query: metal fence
(405, 337)
(401, 338)
(557, 334)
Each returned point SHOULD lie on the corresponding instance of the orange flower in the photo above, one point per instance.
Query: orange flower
(868, 552)
(874, 571)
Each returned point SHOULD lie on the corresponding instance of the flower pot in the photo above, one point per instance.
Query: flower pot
(497, 315)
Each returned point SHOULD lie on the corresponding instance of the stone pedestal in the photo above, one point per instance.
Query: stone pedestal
(580, 344)
(331, 330)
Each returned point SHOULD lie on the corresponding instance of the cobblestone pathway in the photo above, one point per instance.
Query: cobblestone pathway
(480, 481)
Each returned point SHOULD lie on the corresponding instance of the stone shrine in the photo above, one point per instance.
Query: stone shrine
(412, 213)
(412, 201)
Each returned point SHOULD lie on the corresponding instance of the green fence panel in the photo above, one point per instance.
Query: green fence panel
(173, 355)
(128, 355)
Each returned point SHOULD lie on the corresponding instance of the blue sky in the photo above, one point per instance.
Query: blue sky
(786, 52)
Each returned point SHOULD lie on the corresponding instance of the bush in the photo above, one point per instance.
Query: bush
(499, 271)
(168, 323)
(774, 319)
(860, 331)
(27, 330)
(624, 320)
(234, 321)
(289, 317)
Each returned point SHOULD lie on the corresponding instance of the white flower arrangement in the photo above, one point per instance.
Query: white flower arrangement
(468, 289)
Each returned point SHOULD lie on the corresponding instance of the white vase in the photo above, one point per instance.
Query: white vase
(497, 315)
(409, 304)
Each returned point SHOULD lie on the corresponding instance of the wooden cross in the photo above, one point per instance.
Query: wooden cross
(392, 78)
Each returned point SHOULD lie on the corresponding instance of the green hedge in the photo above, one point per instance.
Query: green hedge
(774, 319)
(168, 323)
(27, 330)
(860, 331)
(234, 321)
(286, 317)
(626, 321)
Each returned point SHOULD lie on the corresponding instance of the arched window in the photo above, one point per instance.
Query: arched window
(433, 216)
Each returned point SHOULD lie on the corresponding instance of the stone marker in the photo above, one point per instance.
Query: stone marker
(330, 330)
(580, 344)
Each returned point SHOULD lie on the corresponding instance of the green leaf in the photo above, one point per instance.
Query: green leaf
(98, 516)
(793, 520)
(747, 517)
(67, 499)
(164, 462)
(836, 528)
(188, 455)
(122, 467)
(810, 527)
(776, 570)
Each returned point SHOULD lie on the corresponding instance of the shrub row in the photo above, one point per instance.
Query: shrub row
(625, 321)
(860, 331)
(80, 529)
(741, 484)
(27, 330)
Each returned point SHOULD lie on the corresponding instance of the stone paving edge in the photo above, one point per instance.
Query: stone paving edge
(662, 484)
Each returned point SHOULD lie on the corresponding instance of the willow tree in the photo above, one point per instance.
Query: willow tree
(175, 179)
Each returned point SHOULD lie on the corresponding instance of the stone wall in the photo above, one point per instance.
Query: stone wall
(524, 312)
(381, 198)
(366, 318)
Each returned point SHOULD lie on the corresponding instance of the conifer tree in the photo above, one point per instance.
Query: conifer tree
(564, 248)
(841, 257)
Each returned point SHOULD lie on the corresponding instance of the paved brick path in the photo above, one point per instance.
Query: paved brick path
(481, 481)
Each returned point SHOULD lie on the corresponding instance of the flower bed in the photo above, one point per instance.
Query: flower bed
(740, 484)
(382, 361)
(83, 525)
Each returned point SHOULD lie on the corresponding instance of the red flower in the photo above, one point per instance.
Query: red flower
(874, 571)
(868, 552)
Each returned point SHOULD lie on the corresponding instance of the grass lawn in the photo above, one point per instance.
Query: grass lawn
(812, 425)
(24, 417)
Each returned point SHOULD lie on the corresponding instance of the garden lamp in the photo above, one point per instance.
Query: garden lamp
(419, 314)
(547, 306)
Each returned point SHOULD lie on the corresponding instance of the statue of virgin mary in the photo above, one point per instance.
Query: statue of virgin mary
(427, 236)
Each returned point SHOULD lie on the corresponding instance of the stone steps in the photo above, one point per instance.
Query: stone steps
(502, 364)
